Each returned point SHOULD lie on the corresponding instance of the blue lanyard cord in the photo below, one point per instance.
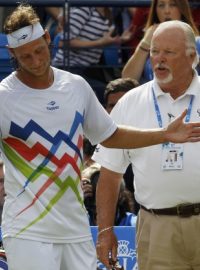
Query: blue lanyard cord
(157, 109)
(188, 115)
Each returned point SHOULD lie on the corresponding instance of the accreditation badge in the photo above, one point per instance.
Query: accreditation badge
(172, 156)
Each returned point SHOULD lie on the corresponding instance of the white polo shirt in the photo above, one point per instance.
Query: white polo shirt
(154, 187)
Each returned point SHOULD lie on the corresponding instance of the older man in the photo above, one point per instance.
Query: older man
(167, 176)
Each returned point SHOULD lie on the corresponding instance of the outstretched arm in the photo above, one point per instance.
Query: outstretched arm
(177, 131)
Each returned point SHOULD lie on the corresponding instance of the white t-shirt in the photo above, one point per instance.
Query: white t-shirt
(41, 141)
(154, 187)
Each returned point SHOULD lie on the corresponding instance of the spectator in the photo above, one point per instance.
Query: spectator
(122, 22)
(116, 89)
(139, 66)
(54, 21)
(44, 112)
(139, 17)
(168, 235)
(124, 211)
(89, 32)
(195, 13)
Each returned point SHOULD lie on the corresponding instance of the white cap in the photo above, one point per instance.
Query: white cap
(25, 35)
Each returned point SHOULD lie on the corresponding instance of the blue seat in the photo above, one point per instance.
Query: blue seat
(5, 63)
(111, 55)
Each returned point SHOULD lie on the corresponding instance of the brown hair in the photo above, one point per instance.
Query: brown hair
(22, 16)
(183, 6)
(119, 85)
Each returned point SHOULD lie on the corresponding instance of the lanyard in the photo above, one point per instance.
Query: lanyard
(157, 109)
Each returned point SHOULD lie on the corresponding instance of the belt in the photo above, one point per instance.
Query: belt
(181, 210)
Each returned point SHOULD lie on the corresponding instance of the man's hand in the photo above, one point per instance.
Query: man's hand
(107, 248)
(179, 132)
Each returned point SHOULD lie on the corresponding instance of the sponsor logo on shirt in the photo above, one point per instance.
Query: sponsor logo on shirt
(51, 106)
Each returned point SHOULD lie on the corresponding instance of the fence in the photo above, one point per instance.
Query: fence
(98, 3)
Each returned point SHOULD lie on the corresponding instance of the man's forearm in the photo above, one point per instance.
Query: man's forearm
(127, 138)
(107, 197)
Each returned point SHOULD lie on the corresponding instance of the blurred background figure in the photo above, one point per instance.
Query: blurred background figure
(125, 208)
(86, 35)
(116, 89)
(82, 41)
(195, 13)
(139, 66)
(139, 16)
(88, 150)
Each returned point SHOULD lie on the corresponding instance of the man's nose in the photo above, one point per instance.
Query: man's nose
(36, 60)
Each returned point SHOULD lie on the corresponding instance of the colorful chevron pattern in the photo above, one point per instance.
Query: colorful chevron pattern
(21, 155)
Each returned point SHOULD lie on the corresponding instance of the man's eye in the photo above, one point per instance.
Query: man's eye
(169, 52)
(154, 51)
(25, 57)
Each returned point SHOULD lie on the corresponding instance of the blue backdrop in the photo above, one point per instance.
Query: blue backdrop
(126, 246)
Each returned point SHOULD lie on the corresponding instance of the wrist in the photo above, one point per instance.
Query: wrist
(144, 49)
(164, 135)
(104, 230)
(144, 45)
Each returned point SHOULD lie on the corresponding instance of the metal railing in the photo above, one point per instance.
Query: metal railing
(111, 3)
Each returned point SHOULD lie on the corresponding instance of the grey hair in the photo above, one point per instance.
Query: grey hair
(190, 40)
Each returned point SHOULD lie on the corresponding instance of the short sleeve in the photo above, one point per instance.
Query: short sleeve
(113, 159)
(98, 125)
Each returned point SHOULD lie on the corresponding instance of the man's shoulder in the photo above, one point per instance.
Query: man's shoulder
(72, 81)
(68, 76)
(139, 92)
(5, 84)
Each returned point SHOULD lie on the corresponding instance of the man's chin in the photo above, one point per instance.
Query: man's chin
(166, 80)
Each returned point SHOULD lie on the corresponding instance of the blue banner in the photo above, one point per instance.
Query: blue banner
(126, 246)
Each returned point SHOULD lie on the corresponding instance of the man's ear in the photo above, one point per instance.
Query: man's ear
(47, 36)
(195, 59)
